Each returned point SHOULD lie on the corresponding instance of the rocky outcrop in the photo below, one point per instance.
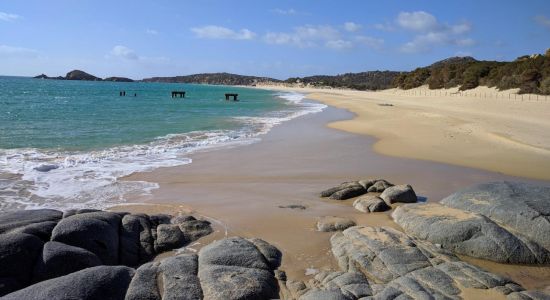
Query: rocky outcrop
(397, 266)
(390, 193)
(237, 268)
(344, 191)
(505, 222)
(327, 285)
(468, 233)
(81, 75)
(37, 245)
(331, 223)
(102, 282)
(231, 268)
(522, 207)
(370, 203)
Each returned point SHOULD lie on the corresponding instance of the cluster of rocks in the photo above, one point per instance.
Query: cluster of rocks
(39, 245)
(506, 222)
(232, 268)
(383, 263)
(387, 194)
(47, 254)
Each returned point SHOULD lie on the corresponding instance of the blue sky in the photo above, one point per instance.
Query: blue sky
(270, 38)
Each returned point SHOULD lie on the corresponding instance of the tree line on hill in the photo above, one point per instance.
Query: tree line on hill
(529, 73)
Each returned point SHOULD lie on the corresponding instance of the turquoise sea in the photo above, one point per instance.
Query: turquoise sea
(66, 143)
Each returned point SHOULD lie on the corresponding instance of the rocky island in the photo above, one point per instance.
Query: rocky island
(81, 75)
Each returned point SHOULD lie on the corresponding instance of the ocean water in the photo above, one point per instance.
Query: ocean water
(66, 144)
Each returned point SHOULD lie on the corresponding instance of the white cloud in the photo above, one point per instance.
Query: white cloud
(218, 32)
(351, 26)
(151, 31)
(124, 52)
(8, 17)
(429, 32)
(304, 36)
(417, 21)
(9, 51)
(339, 44)
(370, 42)
(279, 11)
(543, 21)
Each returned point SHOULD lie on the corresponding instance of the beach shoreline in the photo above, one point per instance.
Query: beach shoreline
(493, 130)
(247, 188)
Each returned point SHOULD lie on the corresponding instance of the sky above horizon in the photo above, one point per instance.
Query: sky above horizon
(279, 39)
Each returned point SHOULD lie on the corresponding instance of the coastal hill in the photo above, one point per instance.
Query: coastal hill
(529, 73)
(81, 75)
(213, 78)
(373, 80)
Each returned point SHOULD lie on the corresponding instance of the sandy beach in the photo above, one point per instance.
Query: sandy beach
(484, 128)
(244, 189)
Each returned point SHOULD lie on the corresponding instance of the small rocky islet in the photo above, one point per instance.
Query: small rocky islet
(91, 254)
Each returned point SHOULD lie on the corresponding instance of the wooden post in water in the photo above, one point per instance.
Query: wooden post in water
(178, 94)
(228, 95)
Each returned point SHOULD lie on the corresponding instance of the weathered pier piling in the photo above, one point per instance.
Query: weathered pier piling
(234, 96)
(178, 94)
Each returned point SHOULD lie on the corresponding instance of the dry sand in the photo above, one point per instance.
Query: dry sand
(242, 188)
(482, 128)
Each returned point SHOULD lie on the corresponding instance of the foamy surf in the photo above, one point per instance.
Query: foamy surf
(34, 178)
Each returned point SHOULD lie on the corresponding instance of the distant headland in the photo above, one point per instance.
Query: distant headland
(528, 73)
(81, 75)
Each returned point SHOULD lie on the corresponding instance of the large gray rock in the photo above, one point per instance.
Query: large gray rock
(136, 240)
(102, 282)
(522, 207)
(171, 278)
(344, 191)
(144, 284)
(59, 259)
(331, 223)
(234, 268)
(405, 268)
(97, 232)
(179, 278)
(469, 234)
(379, 186)
(195, 229)
(18, 251)
(169, 236)
(370, 203)
(334, 285)
(42, 230)
(399, 194)
(22, 218)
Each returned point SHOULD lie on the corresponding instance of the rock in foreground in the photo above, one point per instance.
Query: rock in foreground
(468, 233)
(37, 245)
(506, 222)
(522, 207)
(330, 223)
(403, 268)
(369, 203)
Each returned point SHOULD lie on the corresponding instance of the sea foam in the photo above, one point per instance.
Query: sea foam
(34, 178)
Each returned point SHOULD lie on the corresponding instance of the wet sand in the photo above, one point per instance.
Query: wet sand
(243, 187)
